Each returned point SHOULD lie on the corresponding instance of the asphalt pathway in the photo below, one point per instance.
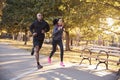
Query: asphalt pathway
(18, 64)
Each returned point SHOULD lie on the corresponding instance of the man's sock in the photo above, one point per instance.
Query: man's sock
(38, 63)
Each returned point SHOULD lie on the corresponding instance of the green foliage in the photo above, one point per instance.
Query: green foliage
(82, 14)
(18, 14)
(86, 14)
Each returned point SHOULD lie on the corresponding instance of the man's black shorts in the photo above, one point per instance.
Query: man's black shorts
(38, 41)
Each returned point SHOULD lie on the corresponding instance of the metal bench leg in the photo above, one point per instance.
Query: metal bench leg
(118, 62)
(89, 59)
(97, 65)
(118, 75)
(82, 60)
(106, 63)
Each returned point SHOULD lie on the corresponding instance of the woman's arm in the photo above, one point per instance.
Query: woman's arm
(57, 30)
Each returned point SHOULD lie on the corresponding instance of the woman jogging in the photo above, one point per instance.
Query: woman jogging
(57, 39)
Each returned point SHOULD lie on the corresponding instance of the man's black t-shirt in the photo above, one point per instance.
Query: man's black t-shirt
(38, 26)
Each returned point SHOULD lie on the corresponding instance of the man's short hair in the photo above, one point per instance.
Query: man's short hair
(39, 14)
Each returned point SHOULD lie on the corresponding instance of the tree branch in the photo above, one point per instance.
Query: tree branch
(116, 7)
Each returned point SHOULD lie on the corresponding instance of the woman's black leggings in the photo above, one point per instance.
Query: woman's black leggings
(54, 45)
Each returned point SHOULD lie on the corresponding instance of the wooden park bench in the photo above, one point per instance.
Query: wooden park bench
(109, 51)
(103, 53)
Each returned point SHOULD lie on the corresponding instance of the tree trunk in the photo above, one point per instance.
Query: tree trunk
(103, 43)
(13, 36)
(71, 44)
(67, 41)
(25, 38)
(87, 42)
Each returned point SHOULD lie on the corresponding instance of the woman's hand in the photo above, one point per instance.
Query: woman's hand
(59, 28)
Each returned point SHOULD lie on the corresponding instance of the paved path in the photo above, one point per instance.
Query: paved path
(17, 64)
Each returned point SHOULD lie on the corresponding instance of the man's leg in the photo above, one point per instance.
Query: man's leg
(37, 53)
(37, 48)
(32, 52)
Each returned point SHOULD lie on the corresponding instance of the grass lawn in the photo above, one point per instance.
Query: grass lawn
(71, 56)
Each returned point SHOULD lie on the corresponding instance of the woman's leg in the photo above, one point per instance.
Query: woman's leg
(61, 50)
(54, 45)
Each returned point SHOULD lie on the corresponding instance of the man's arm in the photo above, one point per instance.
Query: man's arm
(47, 27)
(32, 28)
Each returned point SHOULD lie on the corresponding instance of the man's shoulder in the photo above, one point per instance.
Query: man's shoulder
(45, 21)
(34, 22)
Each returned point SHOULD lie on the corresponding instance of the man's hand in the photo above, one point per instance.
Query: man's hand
(43, 31)
(34, 34)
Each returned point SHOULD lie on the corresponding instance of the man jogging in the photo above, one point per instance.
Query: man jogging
(38, 29)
